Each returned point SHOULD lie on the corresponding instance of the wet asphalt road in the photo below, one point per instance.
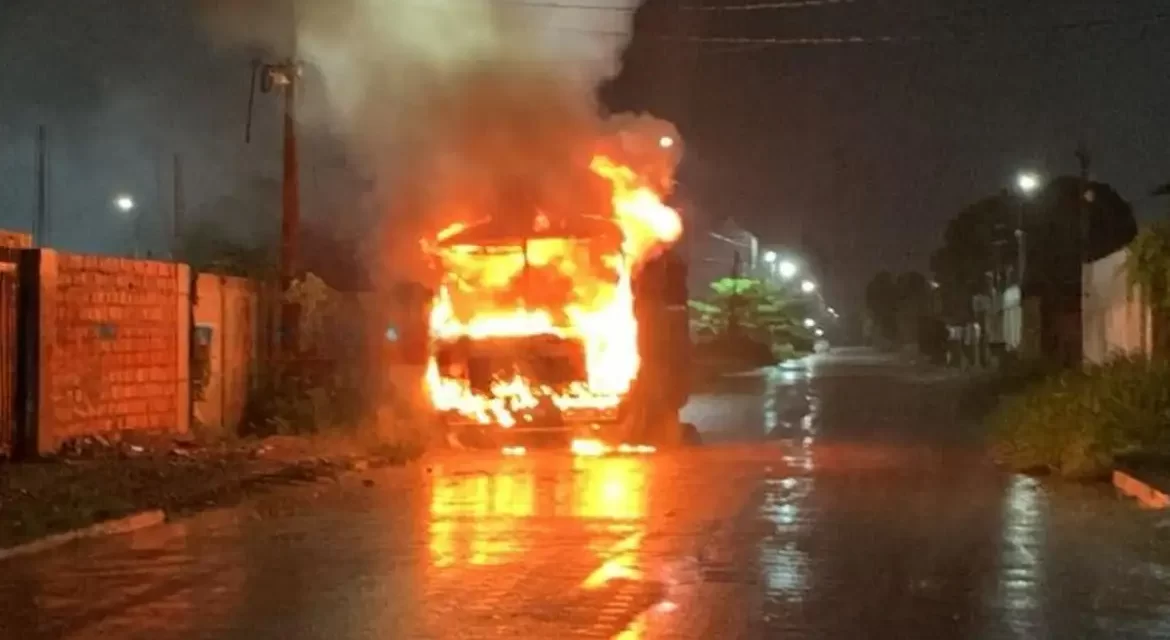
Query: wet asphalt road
(839, 499)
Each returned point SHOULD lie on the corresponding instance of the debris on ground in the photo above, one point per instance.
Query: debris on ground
(97, 478)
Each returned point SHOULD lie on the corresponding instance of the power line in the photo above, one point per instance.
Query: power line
(766, 6)
(954, 34)
(755, 6)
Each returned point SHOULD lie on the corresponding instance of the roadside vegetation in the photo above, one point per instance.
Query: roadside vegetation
(1079, 422)
(746, 323)
(104, 478)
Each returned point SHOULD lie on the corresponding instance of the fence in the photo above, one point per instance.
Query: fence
(111, 345)
(9, 348)
(93, 345)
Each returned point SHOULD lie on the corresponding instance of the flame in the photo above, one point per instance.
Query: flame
(578, 290)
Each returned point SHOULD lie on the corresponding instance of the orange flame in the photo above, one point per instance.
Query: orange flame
(574, 292)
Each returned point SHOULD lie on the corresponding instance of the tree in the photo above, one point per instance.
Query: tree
(913, 296)
(979, 242)
(899, 305)
(881, 300)
(239, 235)
(976, 243)
(748, 308)
(1147, 269)
(1071, 223)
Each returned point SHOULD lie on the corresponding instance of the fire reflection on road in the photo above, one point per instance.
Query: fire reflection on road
(581, 520)
(483, 519)
(473, 517)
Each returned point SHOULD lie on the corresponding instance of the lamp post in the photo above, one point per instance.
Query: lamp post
(1027, 182)
(125, 205)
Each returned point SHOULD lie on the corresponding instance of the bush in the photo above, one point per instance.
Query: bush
(1075, 423)
(303, 397)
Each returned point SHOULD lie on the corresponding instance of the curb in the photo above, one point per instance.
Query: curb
(1148, 496)
(134, 522)
(153, 517)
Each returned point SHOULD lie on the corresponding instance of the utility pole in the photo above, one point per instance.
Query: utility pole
(178, 206)
(1084, 209)
(1021, 245)
(1086, 199)
(284, 76)
(41, 223)
(291, 209)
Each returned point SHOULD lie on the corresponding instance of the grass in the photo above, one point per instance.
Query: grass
(1076, 423)
(54, 496)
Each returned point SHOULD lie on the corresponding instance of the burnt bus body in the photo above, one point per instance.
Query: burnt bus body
(648, 412)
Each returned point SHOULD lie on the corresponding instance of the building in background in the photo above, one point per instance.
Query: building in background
(1115, 319)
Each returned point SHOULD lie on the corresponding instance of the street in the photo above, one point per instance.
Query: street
(839, 498)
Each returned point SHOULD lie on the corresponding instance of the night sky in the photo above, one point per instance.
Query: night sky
(861, 151)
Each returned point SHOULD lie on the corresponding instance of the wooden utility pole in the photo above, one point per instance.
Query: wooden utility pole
(290, 222)
(284, 76)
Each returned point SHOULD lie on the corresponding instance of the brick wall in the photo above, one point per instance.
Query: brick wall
(114, 346)
(15, 239)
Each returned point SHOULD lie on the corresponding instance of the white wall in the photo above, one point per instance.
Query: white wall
(1113, 321)
(1012, 318)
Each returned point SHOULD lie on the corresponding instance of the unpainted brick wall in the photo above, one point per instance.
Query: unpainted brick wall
(15, 239)
(114, 345)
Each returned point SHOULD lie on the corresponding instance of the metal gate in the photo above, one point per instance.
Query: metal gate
(9, 347)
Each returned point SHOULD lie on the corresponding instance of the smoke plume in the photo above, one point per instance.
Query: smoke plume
(461, 109)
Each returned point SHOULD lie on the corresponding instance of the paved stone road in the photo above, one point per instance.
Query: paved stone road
(841, 499)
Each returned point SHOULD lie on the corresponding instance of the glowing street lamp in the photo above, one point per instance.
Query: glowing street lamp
(809, 323)
(124, 203)
(770, 257)
(1027, 182)
(820, 333)
(787, 269)
(666, 142)
(808, 286)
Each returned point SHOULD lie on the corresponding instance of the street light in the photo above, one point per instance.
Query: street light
(810, 323)
(770, 257)
(666, 142)
(787, 269)
(124, 203)
(808, 286)
(1027, 182)
(820, 333)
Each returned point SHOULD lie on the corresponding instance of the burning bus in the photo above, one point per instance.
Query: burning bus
(573, 327)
